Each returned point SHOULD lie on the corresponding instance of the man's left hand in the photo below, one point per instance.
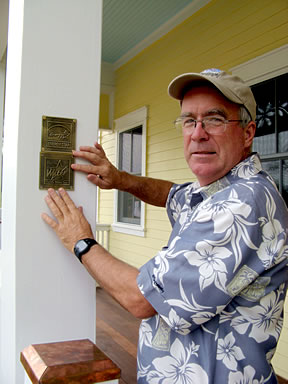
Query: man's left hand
(70, 224)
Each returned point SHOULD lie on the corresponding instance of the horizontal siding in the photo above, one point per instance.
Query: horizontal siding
(222, 34)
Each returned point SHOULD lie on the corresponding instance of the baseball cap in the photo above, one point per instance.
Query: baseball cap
(230, 86)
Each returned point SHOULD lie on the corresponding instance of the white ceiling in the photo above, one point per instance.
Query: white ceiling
(131, 25)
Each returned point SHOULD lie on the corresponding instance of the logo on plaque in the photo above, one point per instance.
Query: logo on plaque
(58, 134)
(58, 140)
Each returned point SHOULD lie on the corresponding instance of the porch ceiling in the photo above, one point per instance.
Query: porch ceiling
(131, 25)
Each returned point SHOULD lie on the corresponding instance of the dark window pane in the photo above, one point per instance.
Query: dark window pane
(125, 151)
(129, 208)
(278, 170)
(285, 181)
(265, 96)
(282, 112)
(137, 154)
(272, 129)
(130, 160)
(272, 167)
(265, 136)
(265, 144)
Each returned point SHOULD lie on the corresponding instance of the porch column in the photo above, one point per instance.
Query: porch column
(53, 69)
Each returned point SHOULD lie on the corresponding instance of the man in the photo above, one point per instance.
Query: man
(212, 299)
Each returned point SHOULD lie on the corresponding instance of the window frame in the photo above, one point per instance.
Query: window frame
(265, 67)
(125, 123)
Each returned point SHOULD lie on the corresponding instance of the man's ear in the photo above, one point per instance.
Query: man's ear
(249, 133)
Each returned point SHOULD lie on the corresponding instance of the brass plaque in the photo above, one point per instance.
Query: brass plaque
(58, 134)
(55, 170)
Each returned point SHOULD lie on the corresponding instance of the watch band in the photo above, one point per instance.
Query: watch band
(83, 246)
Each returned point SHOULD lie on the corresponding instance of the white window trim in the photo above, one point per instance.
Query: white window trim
(264, 67)
(124, 123)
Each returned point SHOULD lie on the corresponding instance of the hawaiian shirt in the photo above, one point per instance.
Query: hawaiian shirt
(219, 285)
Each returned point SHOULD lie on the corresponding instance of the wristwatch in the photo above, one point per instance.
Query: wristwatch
(83, 246)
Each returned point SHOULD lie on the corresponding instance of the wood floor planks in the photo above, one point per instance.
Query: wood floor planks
(117, 335)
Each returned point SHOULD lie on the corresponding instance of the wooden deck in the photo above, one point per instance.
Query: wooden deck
(117, 335)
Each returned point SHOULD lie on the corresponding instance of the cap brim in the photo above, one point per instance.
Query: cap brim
(177, 87)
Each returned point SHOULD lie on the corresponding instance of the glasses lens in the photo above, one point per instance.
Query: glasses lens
(214, 125)
(178, 124)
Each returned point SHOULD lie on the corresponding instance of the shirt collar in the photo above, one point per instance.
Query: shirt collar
(246, 169)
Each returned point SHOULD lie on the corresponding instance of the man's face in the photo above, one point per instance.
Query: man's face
(210, 157)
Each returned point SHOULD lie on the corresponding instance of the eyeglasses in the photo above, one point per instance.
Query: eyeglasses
(214, 125)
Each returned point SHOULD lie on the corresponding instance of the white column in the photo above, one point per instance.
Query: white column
(53, 69)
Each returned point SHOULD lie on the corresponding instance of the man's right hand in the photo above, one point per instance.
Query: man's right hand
(101, 171)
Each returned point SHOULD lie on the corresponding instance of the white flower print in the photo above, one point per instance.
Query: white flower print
(199, 313)
(162, 265)
(229, 217)
(247, 377)
(211, 267)
(142, 370)
(145, 335)
(247, 169)
(273, 249)
(224, 213)
(176, 369)
(228, 352)
(176, 323)
(265, 319)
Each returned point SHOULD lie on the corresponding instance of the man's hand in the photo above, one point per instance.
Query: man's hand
(70, 224)
(101, 171)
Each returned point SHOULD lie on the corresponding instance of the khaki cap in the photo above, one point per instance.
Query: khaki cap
(230, 86)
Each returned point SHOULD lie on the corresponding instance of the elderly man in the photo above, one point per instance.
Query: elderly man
(212, 299)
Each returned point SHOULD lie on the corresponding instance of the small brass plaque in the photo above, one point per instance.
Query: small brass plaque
(55, 170)
(58, 134)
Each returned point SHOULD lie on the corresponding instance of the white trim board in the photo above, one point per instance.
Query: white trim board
(264, 67)
(123, 123)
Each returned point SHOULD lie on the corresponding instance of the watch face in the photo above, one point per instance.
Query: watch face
(81, 246)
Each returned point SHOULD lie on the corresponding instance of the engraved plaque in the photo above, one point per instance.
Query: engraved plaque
(55, 170)
(58, 134)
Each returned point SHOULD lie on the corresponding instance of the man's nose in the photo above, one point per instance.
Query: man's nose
(199, 133)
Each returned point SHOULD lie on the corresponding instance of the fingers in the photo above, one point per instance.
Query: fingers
(69, 203)
(86, 168)
(52, 223)
(91, 154)
(99, 181)
(56, 203)
(53, 207)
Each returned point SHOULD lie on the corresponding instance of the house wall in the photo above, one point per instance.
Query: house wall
(222, 34)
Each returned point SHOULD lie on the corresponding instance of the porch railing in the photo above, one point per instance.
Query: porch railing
(102, 235)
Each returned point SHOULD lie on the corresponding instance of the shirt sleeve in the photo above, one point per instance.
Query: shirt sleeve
(215, 254)
(176, 200)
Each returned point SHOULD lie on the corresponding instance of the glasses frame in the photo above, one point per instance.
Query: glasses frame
(221, 128)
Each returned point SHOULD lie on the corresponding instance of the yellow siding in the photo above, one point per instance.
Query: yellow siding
(223, 34)
(104, 111)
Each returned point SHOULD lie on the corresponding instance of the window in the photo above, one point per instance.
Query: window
(130, 160)
(271, 138)
(268, 77)
(131, 154)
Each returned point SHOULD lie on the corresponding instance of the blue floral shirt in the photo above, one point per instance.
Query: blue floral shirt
(219, 285)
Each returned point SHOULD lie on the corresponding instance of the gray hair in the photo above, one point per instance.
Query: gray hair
(244, 115)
